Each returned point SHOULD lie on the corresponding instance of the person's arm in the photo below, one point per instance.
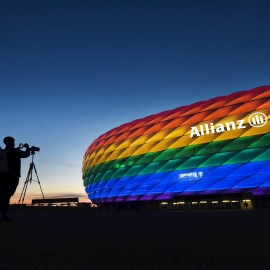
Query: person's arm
(26, 153)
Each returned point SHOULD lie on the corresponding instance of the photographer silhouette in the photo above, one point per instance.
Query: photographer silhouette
(10, 173)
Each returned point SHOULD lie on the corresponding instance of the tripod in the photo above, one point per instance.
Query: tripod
(30, 179)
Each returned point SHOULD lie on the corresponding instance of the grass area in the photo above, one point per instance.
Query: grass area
(73, 238)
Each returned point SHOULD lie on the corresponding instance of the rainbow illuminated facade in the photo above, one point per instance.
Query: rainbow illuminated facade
(221, 145)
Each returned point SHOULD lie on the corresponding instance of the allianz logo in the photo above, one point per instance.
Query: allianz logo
(256, 119)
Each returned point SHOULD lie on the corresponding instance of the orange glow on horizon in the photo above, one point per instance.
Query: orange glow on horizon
(28, 199)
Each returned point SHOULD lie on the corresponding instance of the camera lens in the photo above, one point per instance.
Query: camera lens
(34, 148)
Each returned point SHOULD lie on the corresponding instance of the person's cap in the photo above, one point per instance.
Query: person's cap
(8, 140)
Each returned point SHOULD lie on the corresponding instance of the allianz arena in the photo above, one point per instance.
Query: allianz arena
(213, 154)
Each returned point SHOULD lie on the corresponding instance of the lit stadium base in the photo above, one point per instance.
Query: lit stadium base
(216, 150)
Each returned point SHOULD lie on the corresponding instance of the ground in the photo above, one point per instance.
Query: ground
(75, 238)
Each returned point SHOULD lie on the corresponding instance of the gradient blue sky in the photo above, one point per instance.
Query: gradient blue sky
(72, 70)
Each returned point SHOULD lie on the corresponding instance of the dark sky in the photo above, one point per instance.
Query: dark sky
(72, 70)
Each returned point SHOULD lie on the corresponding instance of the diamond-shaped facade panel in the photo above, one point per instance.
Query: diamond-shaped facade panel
(216, 146)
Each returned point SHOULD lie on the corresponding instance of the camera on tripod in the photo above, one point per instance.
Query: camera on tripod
(32, 168)
(33, 149)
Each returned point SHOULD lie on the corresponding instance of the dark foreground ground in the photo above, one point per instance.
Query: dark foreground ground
(87, 239)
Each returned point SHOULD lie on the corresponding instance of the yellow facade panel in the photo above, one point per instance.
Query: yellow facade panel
(114, 155)
(100, 151)
(162, 145)
(112, 147)
(129, 151)
(126, 143)
(145, 148)
(100, 159)
(257, 131)
(204, 139)
(141, 140)
(93, 154)
(227, 135)
(160, 135)
(181, 142)
(178, 132)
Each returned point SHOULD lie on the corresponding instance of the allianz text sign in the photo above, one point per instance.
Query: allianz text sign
(256, 119)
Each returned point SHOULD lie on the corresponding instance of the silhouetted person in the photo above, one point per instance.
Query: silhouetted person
(246, 205)
(10, 179)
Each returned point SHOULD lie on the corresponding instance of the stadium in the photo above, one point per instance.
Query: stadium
(212, 154)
